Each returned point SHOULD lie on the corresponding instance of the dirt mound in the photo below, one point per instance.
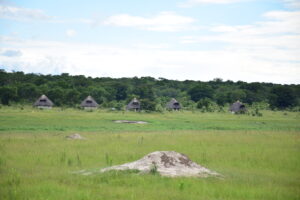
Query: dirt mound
(75, 136)
(130, 122)
(166, 163)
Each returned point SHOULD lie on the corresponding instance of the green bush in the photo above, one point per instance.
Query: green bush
(159, 108)
(207, 105)
(148, 105)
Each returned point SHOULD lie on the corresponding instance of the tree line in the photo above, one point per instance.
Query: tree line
(67, 90)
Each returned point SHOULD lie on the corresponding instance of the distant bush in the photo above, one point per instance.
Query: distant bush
(295, 109)
(258, 113)
(282, 97)
(119, 106)
(207, 105)
(159, 108)
(222, 109)
(261, 105)
(77, 106)
(189, 105)
(256, 107)
(255, 112)
(148, 105)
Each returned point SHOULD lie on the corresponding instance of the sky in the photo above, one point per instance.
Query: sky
(247, 40)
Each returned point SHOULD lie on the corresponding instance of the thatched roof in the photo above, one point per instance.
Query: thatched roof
(43, 101)
(173, 104)
(89, 102)
(134, 104)
(237, 107)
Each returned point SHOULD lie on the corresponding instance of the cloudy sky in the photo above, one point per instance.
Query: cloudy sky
(248, 40)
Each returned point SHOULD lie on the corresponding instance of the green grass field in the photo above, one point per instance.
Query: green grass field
(259, 157)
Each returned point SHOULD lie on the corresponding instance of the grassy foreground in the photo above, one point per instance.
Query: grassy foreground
(258, 156)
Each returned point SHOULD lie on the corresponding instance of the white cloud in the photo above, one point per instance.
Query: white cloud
(151, 46)
(265, 64)
(281, 29)
(164, 21)
(266, 51)
(292, 3)
(190, 3)
(22, 14)
(70, 32)
(270, 45)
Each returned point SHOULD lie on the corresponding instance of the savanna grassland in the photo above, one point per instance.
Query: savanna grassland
(259, 157)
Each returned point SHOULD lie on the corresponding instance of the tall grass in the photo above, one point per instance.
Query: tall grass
(34, 120)
(257, 163)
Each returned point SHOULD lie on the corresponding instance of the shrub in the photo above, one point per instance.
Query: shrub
(159, 108)
(207, 105)
(148, 105)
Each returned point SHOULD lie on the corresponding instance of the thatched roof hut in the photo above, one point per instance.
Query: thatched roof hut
(173, 105)
(134, 104)
(89, 103)
(237, 107)
(43, 102)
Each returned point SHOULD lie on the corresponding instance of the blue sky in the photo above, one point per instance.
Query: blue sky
(245, 40)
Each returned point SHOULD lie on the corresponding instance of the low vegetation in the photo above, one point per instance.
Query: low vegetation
(259, 156)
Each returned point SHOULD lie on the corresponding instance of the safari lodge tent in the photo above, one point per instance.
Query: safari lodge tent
(43, 102)
(173, 105)
(237, 108)
(134, 104)
(89, 103)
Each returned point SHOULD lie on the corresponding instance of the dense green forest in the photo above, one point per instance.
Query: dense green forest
(66, 90)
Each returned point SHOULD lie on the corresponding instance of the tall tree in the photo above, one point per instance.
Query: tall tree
(121, 91)
(282, 97)
(7, 94)
(200, 91)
